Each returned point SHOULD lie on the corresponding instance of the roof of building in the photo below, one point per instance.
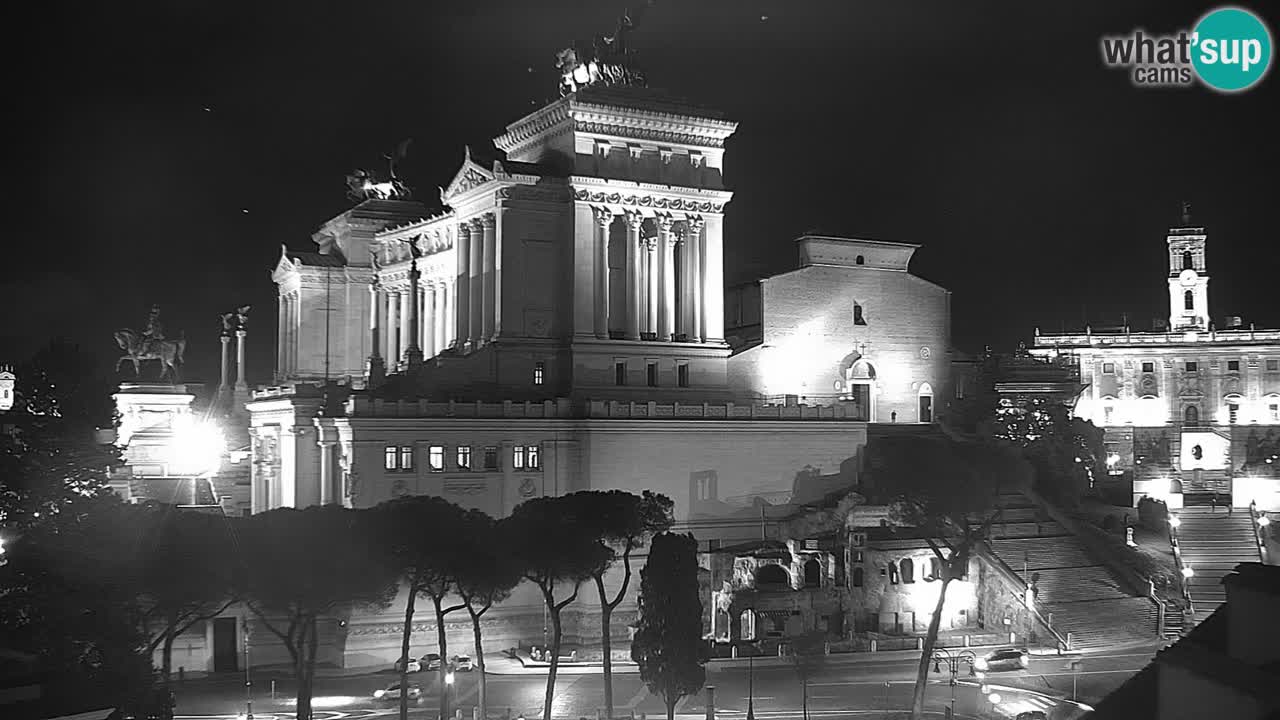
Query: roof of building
(312, 259)
(644, 98)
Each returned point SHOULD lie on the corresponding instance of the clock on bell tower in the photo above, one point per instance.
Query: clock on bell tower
(1188, 277)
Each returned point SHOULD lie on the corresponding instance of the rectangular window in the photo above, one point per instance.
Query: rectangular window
(435, 458)
(533, 457)
(1192, 366)
(1148, 367)
(1233, 413)
(539, 372)
(1107, 411)
(620, 373)
(652, 374)
(517, 457)
(1108, 368)
(464, 457)
(391, 458)
(491, 458)
(1273, 364)
(1233, 366)
(1274, 410)
(682, 375)
(406, 458)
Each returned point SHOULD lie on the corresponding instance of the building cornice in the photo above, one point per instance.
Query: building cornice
(648, 196)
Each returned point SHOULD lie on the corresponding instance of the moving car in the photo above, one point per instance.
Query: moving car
(1032, 715)
(414, 665)
(392, 693)
(1004, 660)
(462, 663)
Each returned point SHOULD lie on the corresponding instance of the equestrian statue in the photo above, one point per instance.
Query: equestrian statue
(151, 345)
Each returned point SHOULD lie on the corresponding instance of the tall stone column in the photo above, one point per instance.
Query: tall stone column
(413, 301)
(326, 471)
(693, 251)
(488, 226)
(604, 220)
(633, 220)
(475, 271)
(241, 384)
(652, 267)
(375, 370)
(439, 322)
(429, 346)
(281, 326)
(226, 344)
(291, 350)
(393, 325)
(713, 280)
(462, 286)
(666, 280)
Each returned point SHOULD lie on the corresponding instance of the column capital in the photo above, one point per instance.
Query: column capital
(695, 223)
(650, 243)
(603, 216)
(477, 224)
(464, 228)
(665, 223)
(634, 219)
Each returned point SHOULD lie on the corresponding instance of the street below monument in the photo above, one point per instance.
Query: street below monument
(842, 686)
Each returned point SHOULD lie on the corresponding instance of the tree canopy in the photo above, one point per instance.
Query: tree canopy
(668, 644)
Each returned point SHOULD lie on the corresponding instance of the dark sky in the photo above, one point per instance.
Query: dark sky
(165, 149)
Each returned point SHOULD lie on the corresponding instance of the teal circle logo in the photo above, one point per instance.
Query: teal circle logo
(1231, 49)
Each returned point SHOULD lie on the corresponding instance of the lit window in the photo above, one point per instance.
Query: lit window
(682, 375)
(1273, 364)
(620, 373)
(1148, 367)
(491, 458)
(533, 457)
(1274, 410)
(391, 458)
(406, 458)
(1233, 366)
(464, 457)
(1107, 414)
(652, 374)
(435, 458)
(539, 371)
(517, 457)
(1192, 366)
(1108, 368)
(1233, 413)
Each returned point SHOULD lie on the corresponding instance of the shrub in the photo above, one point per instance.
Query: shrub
(1153, 514)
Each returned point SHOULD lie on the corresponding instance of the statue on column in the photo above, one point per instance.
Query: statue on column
(151, 344)
(242, 317)
(228, 324)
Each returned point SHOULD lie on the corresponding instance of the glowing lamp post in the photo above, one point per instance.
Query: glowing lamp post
(1174, 521)
(1188, 573)
(1263, 521)
(197, 449)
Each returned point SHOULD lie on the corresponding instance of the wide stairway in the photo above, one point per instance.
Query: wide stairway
(1213, 543)
(1076, 593)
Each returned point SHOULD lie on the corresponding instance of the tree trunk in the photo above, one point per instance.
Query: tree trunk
(314, 649)
(442, 646)
(555, 659)
(671, 708)
(481, 685)
(404, 652)
(926, 653)
(300, 672)
(606, 647)
(166, 656)
(804, 696)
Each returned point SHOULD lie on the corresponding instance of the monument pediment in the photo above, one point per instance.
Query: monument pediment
(470, 176)
(284, 266)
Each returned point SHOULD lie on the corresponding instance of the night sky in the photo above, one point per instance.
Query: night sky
(165, 149)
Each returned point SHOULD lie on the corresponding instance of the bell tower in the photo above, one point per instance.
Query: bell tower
(1188, 276)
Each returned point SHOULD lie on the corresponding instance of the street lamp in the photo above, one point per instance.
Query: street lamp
(751, 687)
(953, 662)
(1187, 572)
(448, 693)
(1174, 521)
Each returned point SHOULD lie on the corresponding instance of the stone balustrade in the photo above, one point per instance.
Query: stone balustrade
(727, 411)
(1224, 337)
(362, 406)
(563, 409)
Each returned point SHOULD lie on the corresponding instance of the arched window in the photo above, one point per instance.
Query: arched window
(1191, 415)
(772, 575)
(858, 577)
(1188, 261)
(924, 403)
(859, 260)
(812, 573)
(857, 316)
(908, 571)
(1188, 300)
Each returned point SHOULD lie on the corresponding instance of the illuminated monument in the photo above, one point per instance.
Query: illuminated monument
(560, 325)
(1192, 408)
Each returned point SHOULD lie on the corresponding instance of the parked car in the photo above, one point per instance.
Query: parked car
(1004, 660)
(1032, 715)
(392, 693)
(462, 663)
(431, 661)
(415, 665)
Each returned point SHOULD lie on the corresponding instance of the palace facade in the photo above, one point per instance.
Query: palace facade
(1191, 408)
(562, 324)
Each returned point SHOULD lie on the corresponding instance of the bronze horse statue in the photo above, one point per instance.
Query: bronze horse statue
(136, 349)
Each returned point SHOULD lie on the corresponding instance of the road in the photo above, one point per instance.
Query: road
(843, 686)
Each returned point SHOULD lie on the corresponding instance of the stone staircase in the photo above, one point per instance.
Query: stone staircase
(1212, 544)
(1075, 592)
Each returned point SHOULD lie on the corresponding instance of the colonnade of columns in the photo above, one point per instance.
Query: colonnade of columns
(290, 319)
(391, 314)
(666, 279)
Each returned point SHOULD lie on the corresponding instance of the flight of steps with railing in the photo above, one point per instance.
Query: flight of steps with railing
(1077, 593)
(1212, 542)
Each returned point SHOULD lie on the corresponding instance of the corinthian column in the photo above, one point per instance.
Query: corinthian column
(488, 225)
(280, 337)
(603, 219)
(666, 280)
(376, 370)
(651, 272)
(475, 271)
(429, 345)
(413, 352)
(241, 384)
(393, 322)
(693, 253)
(462, 286)
(634, 220)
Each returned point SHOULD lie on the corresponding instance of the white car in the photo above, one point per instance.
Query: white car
(415, 665)
(392, 693)
(462, 663)
(1006, 659)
